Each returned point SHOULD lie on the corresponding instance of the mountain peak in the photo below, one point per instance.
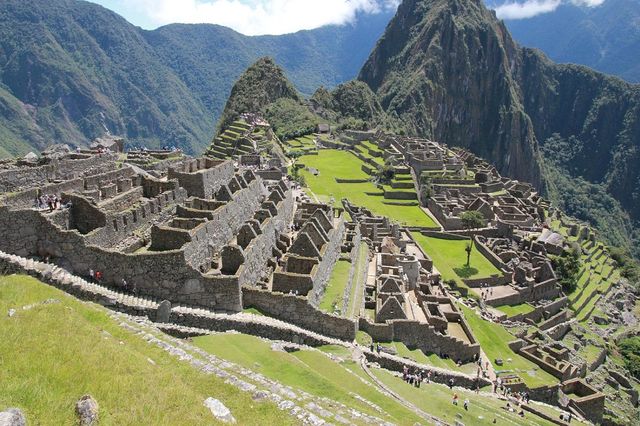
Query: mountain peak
(263, 83)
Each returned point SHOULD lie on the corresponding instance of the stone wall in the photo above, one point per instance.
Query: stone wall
(438, 375)
(164, 275)
(203, 179)
(296, 310)
(421, 336)
(330, 255)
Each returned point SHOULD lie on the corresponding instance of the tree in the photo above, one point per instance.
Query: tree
(567, 268)
(471, 219)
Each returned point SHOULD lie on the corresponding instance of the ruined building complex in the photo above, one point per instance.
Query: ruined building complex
(231, 231)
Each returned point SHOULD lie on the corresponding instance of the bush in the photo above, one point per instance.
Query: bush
(630, 351)
(567, 268)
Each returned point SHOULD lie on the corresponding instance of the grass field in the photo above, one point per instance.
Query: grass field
(513, 310)
(333, 298)
(432, 359)
(437, 399)
(450, 257)
(308, 370)
(342, 164)
(53, 354)
(356, 298)
(494, 339)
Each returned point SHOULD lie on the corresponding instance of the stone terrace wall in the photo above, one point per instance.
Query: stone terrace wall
(203, 183)
(164, 275)
(224, 223)
(261, 247)
(324, 268)
(296, 310)
(421, 336)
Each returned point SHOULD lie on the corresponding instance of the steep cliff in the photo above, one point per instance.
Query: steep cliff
(445, 68)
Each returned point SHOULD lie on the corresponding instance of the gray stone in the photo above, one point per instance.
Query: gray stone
(164, 311)
(219, 410)
(12, 312)
(12, 417)
(87, 411)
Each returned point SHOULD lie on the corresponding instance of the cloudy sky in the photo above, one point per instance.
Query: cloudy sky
(249, 17)
(253, 17)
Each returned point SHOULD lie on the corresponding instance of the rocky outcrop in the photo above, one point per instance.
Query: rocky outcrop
(445, 69)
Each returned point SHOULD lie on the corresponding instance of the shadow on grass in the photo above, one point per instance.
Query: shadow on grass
(465, 271)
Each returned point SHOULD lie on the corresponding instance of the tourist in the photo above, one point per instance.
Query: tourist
(429, 376)
(455, 399)
(98, 276)
(405, 372)
(125, 286)
(378, 347)
(372, 348)
(466, 404)
(451, 383)
(91, 274)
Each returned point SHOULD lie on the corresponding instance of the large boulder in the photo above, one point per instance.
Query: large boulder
(219, 410)
(12, 417)
(87, 411)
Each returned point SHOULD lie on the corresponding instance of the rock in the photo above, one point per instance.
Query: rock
(87, 410)
(12, 312)
(260, 396)
(219, 410)
(164, 311)
(499, 361)
(600, 320)
(12, 417)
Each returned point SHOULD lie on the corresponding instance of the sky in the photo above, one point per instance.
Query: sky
(250, 17)
(256, 17)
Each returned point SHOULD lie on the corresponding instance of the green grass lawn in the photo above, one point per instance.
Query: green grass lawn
(437, 399)
(53, 354)
(308, 370)
(450, 257)
(342, 164)
(513, 310)
(494, 339)
(333, 298)
(431, 359)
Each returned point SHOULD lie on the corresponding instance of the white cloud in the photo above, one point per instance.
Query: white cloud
(531, 8)
(254, 17)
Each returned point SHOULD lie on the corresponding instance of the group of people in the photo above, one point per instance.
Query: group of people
(486, 291)
(51, 202)
(416, 377)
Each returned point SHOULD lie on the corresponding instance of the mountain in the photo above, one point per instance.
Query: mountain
(451, 71)
(261, 84)
(605, 38)
(72, 70)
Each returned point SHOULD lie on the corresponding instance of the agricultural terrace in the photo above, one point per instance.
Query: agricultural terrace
(450, 258)
(494, 340)
(332, 164)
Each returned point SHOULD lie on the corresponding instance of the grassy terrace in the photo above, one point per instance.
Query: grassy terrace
(52, 354)
(333, 298)
(436, 399)
(432, 359)
(308, 370)
(513, 310)
(450, 258)
(342, 164)
(494, 339)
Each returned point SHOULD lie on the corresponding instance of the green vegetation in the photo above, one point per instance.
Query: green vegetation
(263, 83)
(308, 370)
(54, 353)
(449, 257)
(494, 340)
(513, 310)
(333, 298)
(437, 399)
(630, 350)
(567, 268)
(471, 220)
(333, 164)
(291, 119)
